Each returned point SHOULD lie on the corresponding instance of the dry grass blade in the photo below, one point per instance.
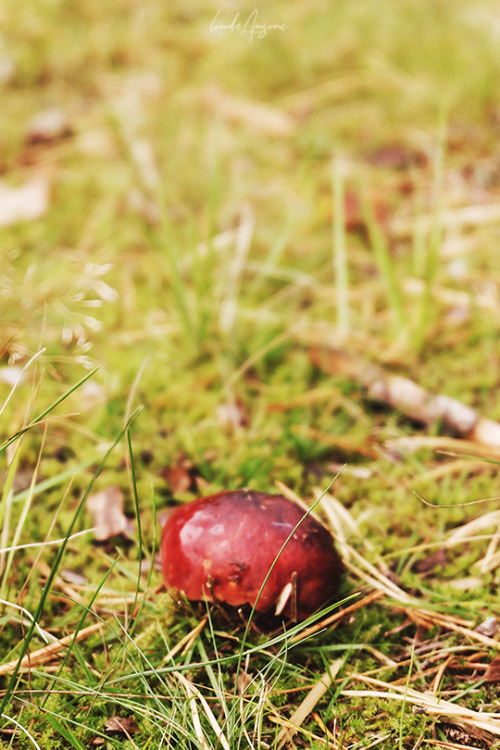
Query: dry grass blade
(47, 653)
(309, 735)
(333, 396)
(452, 297)
(194, 694)
(461, 466)
(452, 745)
(395, 596)
(335, 441)
(450, 623)
(66, 588)
(428, 703)
(442, 444)
(453, 217)
(491, 558)
(468, 530)
(186, 642)
(229, 304)
(308, 704)
(256, 115)
(332, 619)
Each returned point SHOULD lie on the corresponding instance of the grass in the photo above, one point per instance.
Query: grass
(222, 204)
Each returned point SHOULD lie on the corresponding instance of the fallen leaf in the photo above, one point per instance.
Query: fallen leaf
(429, 563)
(179, 478)
(119, 724)
(243, 682)
(107, 511)
(24, 203)
(489, 627)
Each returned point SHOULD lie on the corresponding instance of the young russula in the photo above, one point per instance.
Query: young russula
(220, 548)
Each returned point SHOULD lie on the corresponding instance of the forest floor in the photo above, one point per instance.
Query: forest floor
(248, 247)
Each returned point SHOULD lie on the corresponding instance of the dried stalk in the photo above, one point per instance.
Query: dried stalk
(409, 397)
(47, 653)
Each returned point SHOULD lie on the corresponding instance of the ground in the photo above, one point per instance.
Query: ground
(213, 219)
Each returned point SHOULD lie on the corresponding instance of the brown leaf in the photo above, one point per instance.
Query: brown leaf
(178, 478)
(489, 627)
(24, 203)
(429, 563)
(243, 682)
(119, 724)
(107, 511)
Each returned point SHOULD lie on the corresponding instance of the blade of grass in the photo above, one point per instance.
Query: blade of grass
(385, 262)
(339, 245)
(23, 729)
(59, 556)
(5, 569)
(431, 251)
(47, 411)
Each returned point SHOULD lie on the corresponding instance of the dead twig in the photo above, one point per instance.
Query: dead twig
(47, 653)
(409, 397)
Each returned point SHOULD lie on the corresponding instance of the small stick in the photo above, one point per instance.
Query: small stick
(309, 703)
(409, 397)
(47, 653)
(337, 616)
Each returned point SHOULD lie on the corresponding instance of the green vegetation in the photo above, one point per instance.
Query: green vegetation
(219, 203)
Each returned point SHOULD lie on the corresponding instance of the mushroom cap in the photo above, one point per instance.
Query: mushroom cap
(221, 548)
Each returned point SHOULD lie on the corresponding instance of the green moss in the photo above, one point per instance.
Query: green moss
(114, 275)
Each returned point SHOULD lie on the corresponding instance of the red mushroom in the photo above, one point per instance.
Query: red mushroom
(221, 548)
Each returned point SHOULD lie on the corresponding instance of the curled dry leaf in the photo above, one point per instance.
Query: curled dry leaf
(488, 627)
(106, 508)
(119, 724)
